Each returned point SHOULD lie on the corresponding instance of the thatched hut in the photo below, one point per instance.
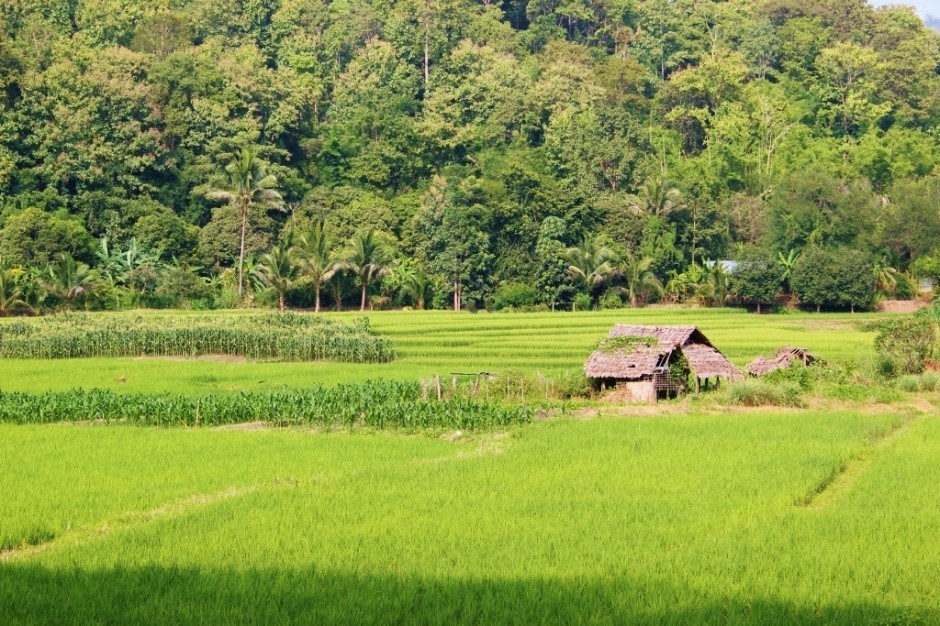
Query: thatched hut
(646, 363)
(785, 357)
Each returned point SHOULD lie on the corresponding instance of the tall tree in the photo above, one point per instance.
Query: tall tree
(316, 259)
(247, 184)
(370, 259)
(590, 263)
(278, 271)
(638, 277)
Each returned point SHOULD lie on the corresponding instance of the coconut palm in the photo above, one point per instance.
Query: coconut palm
(638, 277)
(69, 279)
(714, 288)
(11, 294)
(415, 283)
(316, 261)
(589, 263)
(370, 259)
(278, 271)
(656, 198)
(247, 184)
(340, 284)
(886, 277)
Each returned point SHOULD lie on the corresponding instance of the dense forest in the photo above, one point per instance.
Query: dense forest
(465, 153)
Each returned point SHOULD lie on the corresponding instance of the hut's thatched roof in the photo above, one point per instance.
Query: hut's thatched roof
(706, 361)
(638, 359)
(784, 357)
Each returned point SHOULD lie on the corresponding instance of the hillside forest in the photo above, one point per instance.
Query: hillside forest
(465, 153)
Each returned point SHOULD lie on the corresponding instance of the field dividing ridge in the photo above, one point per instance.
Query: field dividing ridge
(847, 472)
(130, 519)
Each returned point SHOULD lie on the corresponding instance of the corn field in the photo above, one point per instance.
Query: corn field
(380, 405)
(281, 336)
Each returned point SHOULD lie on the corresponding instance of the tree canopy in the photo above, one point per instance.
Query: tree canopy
(478, 140)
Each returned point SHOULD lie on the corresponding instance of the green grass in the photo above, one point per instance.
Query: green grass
(682, 519)
(717, 515)
(440, 342)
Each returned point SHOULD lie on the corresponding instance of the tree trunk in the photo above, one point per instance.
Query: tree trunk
(316, 305)
(633, 300)
(281, 302)
(241, 252)
(817, 308)
(427, 43)
(365, 296)
(758, 308)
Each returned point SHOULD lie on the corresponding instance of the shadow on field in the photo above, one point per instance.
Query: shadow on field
(151, 595)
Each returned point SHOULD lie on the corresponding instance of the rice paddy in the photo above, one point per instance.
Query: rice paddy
(696, 513)
(685, 519)
(440, 342)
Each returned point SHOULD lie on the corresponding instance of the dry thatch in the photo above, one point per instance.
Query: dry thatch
(706, 361)
(633, 360)
(785, 357)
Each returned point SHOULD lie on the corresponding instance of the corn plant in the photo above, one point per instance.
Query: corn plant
(282, 336)
(379, 405)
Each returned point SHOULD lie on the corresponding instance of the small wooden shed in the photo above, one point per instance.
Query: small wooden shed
(785, 357)
(646, 363)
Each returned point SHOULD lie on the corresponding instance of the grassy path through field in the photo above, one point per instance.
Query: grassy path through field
(681, 519)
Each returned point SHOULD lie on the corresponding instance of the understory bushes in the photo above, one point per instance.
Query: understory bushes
(280, 336)
(384, 404)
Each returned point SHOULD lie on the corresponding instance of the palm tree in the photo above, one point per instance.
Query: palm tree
(886, 277)
(11, 295)
(370, 259)
(69, 279)
(715, 288)
(656, 199)
(247, 184)
(316, 260)
(339, 286)
(590, 263)
(415, 283)
(638, 276)
(278, 271)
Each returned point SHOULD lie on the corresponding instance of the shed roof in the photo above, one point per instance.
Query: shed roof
(784, 357)
(638, 360)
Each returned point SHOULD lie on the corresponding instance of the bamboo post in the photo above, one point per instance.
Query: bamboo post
(437, 382)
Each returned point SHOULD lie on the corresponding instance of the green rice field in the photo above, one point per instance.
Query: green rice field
(702, 518)
(441, 342)
(682, 513)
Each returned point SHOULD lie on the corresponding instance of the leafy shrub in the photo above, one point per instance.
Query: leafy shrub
(582, 302)
(612, 300)
(762, 393)
(572, 385)
(515, 296)
(906, 342)
(906, 288)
